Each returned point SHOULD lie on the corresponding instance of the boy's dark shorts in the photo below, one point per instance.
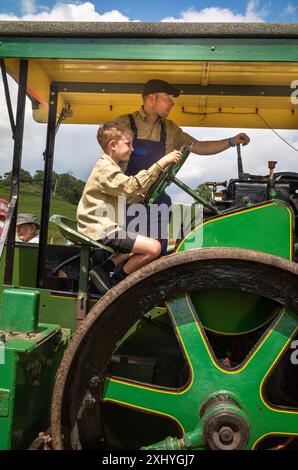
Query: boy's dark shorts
(121, 241)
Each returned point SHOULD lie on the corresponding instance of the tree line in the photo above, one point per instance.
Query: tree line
(64, 185)
(69, 188)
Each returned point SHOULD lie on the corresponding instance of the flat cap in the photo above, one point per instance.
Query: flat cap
(27, 219)
(160, 86)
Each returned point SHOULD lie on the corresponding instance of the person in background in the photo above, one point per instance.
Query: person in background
(27, 228)
(3, 213)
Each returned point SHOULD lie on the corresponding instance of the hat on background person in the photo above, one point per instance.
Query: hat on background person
(160, 86)
(27, 219)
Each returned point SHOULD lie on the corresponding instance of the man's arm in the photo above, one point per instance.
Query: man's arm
(211, 147)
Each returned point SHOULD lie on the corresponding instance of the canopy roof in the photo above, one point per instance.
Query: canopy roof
(232, 75)
(138, 29)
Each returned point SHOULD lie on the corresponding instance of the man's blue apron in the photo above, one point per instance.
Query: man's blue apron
(145, 154)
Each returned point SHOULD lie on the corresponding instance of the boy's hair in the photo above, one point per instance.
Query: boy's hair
(111, 130)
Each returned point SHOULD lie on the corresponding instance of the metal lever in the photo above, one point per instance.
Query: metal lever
(239, 161)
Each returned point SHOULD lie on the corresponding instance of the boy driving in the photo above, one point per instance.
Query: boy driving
(99, 213)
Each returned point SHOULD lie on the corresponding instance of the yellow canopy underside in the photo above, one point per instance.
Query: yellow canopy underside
(190, 110)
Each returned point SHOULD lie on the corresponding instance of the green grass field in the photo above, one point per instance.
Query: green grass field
(30, 201)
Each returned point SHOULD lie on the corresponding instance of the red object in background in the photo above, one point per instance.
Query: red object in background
(3, 208)
(3, 213)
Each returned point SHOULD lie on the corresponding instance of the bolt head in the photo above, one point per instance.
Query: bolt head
(226, 434)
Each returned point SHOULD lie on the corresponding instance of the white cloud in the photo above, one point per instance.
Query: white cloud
(86, 11)
(64, 12)
(290, 10)
(34, 135)
(222, 15)
(28, 7)
(71, 152)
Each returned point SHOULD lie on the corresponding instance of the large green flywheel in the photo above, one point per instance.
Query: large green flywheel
(142, 372)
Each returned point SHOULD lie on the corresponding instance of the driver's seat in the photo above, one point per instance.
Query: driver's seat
(68, 228)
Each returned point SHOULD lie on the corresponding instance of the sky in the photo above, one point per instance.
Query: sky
(153, 10)
(79, 155)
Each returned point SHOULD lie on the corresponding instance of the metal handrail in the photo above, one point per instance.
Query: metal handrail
(11, 209)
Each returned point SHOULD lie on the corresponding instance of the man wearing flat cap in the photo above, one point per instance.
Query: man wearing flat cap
(155, 135)
(27, 228)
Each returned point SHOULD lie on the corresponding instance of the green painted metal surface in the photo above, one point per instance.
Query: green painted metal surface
(206, 378)
(29, 361)
(53, 307)
(265, 227)
(19, 312)
(26, 380)
(57, 308)
(233, 312)
(25, 266)
(196, 439)
(151, 49)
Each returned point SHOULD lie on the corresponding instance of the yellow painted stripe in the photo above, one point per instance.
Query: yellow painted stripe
(62, 297)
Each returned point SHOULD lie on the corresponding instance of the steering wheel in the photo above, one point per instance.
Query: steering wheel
(166, 177)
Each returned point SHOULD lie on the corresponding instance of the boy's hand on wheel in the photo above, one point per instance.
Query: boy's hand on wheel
(172, 157)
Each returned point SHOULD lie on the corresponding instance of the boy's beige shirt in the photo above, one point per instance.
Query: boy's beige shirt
(101, 207)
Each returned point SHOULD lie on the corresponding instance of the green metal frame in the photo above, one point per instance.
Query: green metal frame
(266, 227)
(26, 382)
(235, 49)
